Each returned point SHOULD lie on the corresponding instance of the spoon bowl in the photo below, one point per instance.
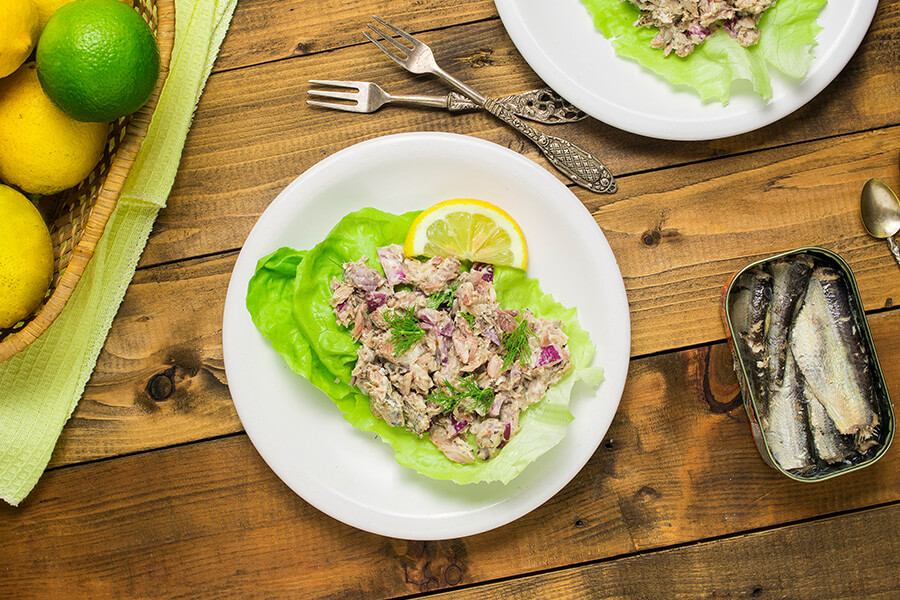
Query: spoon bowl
(880, 211)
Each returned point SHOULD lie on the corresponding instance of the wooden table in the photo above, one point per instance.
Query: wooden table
(155, 492)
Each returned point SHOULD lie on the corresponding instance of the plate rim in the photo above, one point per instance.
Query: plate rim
(234, 304)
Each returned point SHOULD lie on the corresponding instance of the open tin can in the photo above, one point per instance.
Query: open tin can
(811, 382)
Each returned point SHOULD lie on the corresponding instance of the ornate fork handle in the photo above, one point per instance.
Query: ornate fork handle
(579, 165)
(542, 105)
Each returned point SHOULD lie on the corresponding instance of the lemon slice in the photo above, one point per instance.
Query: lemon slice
(469, 230)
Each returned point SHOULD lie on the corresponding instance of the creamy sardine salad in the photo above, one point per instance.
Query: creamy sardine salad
(683, 24)
(439, 356)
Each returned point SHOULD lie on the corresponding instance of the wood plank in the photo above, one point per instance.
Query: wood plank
(160, 380)
(253, 132)
(262, 31)
(678, 234)
(678, 465)
(851, 556)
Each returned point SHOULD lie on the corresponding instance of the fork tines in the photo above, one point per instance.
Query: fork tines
(404, 50)
(353, 96)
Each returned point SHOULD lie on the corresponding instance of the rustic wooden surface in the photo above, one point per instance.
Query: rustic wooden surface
(155, 491)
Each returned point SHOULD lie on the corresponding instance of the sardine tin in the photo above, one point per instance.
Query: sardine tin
(882, 402)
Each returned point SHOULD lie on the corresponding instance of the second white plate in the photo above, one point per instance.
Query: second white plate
(559, 41)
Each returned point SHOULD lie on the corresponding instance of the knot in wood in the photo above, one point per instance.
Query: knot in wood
(303, 48)
(160, 386)
(481, 58)
(452, 574)
(650, 237)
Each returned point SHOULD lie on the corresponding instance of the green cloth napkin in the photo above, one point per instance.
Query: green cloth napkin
(40, 386)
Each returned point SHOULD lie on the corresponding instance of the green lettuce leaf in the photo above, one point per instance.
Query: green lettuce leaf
(287, 298)
(788, 37)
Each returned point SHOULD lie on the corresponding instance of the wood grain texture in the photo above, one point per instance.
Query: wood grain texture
(678, 465)
(253, 132)
(264, 31)
(160, 378)
(849, 557)
(679, 233)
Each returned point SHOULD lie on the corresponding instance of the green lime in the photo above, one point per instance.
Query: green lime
(97, 60)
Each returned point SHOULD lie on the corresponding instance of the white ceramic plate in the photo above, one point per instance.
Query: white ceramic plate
(300, 433)
(558, 39)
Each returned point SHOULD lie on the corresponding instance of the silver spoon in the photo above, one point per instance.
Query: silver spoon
(881, 213)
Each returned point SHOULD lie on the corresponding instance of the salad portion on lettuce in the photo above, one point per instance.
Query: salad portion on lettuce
(787, 36)
(288, 299)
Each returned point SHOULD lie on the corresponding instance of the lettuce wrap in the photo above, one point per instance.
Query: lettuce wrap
(788, 36)
(287, 298)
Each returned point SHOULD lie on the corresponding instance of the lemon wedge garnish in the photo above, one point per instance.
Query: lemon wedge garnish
(469, 230)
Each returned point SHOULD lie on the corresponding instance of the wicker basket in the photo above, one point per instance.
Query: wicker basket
(79, 215)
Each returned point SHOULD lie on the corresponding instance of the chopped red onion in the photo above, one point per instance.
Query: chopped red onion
(374, 300)
(698, 32)
(458, 426)
(362, 276)
(495, 407)
(507, 432)
(443, 351)
(485, 270)
(548, 356)
(428, 317)
(391, 258)
(492, 335)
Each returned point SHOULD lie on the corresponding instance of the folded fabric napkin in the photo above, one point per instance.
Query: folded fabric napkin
(40, 386)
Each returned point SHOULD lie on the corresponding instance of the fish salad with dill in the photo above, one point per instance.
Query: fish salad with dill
(683, 24)
(439, 356)
(291, 299)
(709, 45)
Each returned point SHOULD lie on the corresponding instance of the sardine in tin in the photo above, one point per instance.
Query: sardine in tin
(759, 399)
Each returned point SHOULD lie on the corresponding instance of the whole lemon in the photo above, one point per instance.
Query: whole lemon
(97, 60)
(42, 150)
(26, 257)
(46, 8)
(18, 33)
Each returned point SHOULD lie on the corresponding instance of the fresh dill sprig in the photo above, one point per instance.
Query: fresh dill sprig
(405, 329)
(515, 344)
(449, 396)
(443, 297)
(470, 319)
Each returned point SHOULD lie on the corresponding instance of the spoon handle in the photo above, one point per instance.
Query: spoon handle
(895, 250)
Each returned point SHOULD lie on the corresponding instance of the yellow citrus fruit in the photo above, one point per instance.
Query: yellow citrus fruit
(97, 60)
(470, 230)
(46, 8)
(42, 150)
(18, 33)
(26, 257)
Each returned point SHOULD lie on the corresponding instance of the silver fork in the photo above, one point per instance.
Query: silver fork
(579, 165)
(367, 97)
(542, 105)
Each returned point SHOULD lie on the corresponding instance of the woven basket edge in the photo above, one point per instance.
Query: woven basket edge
(108, 195)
